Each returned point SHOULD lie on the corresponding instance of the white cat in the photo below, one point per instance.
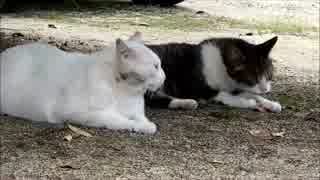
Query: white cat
(103, 89)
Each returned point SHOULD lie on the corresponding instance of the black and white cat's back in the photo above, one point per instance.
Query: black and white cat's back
(182, 64)
(216, 69)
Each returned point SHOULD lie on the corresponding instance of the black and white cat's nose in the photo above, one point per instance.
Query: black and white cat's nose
(265, 89)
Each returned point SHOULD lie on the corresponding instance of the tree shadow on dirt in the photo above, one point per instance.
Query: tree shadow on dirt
(210, 140)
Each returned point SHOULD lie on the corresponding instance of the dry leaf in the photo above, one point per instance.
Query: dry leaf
(141, 24)
(69, 167)
(278, 134)
(261, 133)
(79, 131)
(52, 26)
(67, 138)
(17, 34)
(215, 162)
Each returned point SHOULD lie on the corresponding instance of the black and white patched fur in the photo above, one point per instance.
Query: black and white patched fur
(227, 70)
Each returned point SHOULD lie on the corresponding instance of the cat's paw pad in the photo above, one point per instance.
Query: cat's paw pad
(271, 106)
(183, 104)
(145, 127)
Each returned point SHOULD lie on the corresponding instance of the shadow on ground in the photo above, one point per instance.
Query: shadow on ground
(211, 141)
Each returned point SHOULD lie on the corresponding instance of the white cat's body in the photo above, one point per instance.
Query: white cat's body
(42, 83)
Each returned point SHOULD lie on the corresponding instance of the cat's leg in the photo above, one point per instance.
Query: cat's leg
(143, 124)
(114, 120)
(177, 103)
(235, 100)
(108, 119)
(263, 103)
(162, 100)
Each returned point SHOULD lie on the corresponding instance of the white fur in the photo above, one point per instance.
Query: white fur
(262, 102)
(214, 70)
(235, 101)
(183, 104)
(264, 86)
(248, 100)
(42, 83)
(217, 78)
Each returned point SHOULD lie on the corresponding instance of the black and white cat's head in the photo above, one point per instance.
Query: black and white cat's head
(243, 66)
(138, 65)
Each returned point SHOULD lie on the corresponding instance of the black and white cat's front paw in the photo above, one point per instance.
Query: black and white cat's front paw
(188, 104)
(271, 106)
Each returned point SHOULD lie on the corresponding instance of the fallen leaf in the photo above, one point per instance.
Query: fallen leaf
(69, 167)
(67, 138)
(278, 134)
(141, 24)
(79, 131)
(52, 26)
(17, 34)
(215, 162)
(200, 12)
(261, 133)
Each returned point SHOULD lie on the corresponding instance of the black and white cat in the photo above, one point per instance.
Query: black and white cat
(227, 70)
(104, 89)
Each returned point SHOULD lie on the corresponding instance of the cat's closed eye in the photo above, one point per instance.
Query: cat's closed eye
(156, 66)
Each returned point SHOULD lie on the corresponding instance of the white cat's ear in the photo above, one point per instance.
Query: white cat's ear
(137, 36)
(122, 48)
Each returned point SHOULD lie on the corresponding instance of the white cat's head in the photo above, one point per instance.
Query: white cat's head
(139, 65)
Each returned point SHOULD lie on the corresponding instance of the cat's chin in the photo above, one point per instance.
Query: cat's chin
(153, 89)
(256, 93)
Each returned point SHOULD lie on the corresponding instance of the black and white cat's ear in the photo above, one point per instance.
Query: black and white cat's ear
(137, 36)
(266, 47)
(122, 48)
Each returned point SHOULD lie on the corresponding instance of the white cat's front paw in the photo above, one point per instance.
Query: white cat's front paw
(271, 106)
(183, 104)
(146, 127)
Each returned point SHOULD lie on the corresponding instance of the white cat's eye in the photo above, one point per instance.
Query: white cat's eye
(156, 66)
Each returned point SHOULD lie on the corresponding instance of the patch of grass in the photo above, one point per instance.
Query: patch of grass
(124, 15)
(283, 27)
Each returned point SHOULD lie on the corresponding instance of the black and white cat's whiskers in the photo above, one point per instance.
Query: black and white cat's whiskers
(213, 70)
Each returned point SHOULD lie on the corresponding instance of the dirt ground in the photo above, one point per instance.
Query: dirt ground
(306, 11)
(212, 142)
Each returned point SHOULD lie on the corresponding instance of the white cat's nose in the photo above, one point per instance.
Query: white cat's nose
(163, 77)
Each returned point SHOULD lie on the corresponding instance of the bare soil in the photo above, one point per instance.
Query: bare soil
(306, 12)
(211, 142)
